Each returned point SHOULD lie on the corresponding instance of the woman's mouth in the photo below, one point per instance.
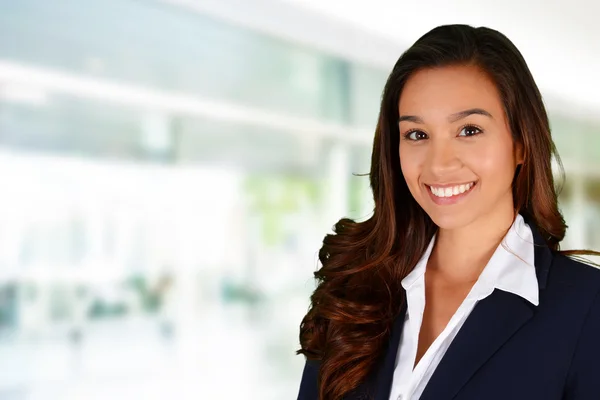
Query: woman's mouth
(449, 191)
(450, 194)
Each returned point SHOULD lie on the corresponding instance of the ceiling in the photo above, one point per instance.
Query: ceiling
(560, 40)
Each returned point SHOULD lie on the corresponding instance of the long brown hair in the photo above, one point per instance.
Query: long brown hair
(359, 293)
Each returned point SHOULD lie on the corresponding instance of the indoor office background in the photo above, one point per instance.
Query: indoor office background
(168, 171)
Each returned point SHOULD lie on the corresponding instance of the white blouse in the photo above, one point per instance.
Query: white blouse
(510, 269)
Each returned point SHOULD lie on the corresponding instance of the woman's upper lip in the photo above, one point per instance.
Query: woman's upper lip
(445, 185)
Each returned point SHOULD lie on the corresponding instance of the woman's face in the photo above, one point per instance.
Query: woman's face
(456, 149)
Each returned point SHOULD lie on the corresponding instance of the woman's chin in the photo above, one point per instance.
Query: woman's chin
(451, 220)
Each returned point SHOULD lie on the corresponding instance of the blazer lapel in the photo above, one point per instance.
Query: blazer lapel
(491, 323)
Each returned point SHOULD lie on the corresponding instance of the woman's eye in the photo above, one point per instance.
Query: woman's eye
(469, 131)
(416, 135)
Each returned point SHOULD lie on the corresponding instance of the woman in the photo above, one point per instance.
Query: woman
(455, 288)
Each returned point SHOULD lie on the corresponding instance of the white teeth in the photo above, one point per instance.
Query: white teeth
(451, 191)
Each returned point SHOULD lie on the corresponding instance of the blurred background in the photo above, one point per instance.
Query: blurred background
(169, 169)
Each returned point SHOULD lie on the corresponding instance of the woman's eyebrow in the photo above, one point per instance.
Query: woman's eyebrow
(452, 118)
(410, 118)
(471, 111)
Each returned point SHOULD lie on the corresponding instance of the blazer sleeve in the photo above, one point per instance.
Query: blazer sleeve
(583, 382)
(308, 384)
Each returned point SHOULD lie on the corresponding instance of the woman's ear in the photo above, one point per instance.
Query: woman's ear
(519, 153)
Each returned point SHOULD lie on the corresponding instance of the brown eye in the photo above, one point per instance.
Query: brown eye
(469, 130)
(416, 135)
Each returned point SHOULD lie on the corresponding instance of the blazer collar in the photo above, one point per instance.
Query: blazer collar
(543, 254)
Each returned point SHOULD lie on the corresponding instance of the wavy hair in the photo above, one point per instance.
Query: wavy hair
(358, 292)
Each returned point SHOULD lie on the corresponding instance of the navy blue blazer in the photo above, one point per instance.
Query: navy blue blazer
(509, 349)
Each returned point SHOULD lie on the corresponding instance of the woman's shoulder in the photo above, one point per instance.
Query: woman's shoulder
(573, 280)
(575, 271)
(577, 284)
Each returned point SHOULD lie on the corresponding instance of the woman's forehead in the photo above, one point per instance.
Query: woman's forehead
(447, 90)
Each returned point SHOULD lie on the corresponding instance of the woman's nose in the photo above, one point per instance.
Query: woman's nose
(442, 157)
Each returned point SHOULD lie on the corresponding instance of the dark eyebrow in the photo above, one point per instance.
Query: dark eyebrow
(410, 118)
(452, 118)
(463, 114)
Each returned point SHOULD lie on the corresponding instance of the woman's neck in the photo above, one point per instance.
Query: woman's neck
(461, 254)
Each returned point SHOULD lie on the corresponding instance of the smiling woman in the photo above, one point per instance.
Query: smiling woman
(465, 159)
(456, 287)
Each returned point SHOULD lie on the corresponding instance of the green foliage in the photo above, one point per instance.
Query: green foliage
(272, 197)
